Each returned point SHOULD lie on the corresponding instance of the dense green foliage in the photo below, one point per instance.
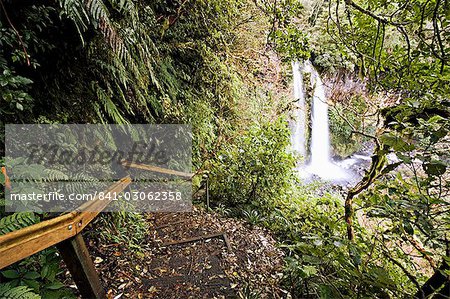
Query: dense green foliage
(124, 62)
(204, 63)
(256, 168)
(37, 277)
(318, 262)
(402, 49)
(407, 54)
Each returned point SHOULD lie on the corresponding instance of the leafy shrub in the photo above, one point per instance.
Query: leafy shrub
(255, 168)
(35, 277)
(252, 216)
(321, 262)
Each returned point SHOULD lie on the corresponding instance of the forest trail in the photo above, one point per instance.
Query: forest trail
(249, 264)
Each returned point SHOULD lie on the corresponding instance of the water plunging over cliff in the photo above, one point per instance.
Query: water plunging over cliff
(298, 130)
(320, 132)
(320, 163)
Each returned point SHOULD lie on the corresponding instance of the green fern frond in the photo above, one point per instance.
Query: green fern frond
(123, 99)
(108, 105)
(115, 69)
(98, 12)
(55, 175)
(98, 110)
(74, 10)
(20, 292)
(17, 221)
(125, 58)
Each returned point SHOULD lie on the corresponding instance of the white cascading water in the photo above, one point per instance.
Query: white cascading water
(320, 132)
(321, 163)
(298, 129)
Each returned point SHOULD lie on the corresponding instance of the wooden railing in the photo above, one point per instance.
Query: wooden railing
(65, 232)
(157, 169)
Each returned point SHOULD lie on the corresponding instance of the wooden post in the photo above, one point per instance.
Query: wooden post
(81, 267)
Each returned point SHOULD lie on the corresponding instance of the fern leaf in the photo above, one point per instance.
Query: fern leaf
(55, 175)
(17, 221)
(20, 292)
(109, 106)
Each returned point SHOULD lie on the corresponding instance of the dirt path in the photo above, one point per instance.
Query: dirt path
(249, 265)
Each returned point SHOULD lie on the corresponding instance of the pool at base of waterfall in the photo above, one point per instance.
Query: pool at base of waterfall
(344, 172)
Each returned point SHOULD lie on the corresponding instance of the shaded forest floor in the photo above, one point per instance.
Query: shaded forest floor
(234, 260)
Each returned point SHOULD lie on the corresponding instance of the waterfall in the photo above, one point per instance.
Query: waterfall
(298, 130)
(320, 132)
(321, 163)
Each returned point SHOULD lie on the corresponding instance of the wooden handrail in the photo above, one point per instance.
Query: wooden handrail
(24, 242)
(157, 169)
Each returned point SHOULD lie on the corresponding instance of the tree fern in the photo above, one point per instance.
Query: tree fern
(17, 221)
(123, 57)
